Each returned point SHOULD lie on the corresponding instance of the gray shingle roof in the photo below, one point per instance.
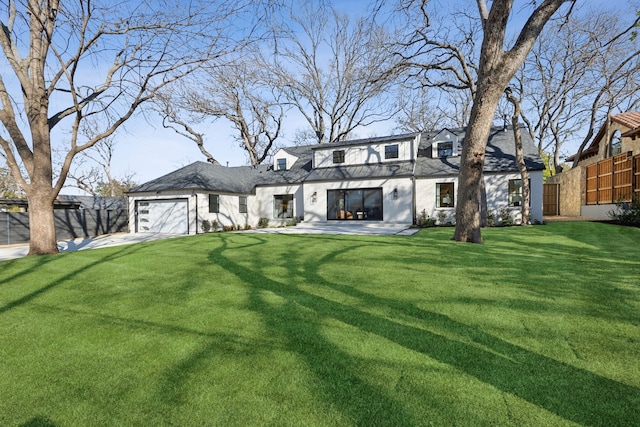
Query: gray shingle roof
(205, 176)
(376, 170)
(500, 154)
(243, 179)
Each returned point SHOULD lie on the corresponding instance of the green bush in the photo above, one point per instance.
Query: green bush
(425, 221)
(505, 217)
(206, 225)
(627, 213)
(263, 222)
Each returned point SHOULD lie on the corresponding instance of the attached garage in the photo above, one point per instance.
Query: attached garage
(162, 216)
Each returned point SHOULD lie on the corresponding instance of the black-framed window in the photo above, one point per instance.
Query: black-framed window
(355, 204)
(391, 151)
(445, 195)
(338, 156)
(283, 206)
(445, 149)
(214, 203)
(282, 164)
(242, 204)
(515, 192)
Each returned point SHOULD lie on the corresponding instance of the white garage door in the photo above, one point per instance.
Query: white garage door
(163, 216)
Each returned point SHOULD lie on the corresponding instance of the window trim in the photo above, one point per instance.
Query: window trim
(440, 196)
(391, 151)
(338, 156)
(520, 194)
(441, 151)
(214, 203)
(340, 210)
(242, 204)
(281, 164)
(290, 206)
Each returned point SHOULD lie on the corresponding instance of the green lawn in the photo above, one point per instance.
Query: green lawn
(538, 326)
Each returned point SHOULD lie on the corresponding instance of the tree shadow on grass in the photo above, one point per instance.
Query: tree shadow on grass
(336, 383)
(570, 392)
(124, 251)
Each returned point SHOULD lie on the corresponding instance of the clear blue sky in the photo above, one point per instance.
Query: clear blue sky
(150, 151)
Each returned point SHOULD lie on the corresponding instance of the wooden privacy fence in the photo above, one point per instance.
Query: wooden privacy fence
(70, 224)
(613, 180)
(550, 199)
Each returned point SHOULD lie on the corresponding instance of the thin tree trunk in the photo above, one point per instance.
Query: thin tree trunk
(522, 166)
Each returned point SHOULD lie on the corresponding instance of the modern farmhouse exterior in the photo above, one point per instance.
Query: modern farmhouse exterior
(386, 180)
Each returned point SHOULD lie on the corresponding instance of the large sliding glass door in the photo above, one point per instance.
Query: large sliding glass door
(360, 204)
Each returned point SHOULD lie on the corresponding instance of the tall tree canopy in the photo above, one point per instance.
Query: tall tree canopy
(78, 59)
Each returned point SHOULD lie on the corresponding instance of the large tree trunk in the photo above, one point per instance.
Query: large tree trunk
(41, 222)
(471, 165)
(495, 70)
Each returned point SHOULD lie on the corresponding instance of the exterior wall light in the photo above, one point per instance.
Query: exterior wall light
(395, 194)
(314, 197)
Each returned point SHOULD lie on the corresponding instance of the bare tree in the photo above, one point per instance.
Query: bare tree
(89, 59)
(334, 69)
(239, 92)
(91, 170)
(520, 161)
(444, 54)
(9, 187)
(425, 108)
(169, 109)
(496, 68)
(576, 71)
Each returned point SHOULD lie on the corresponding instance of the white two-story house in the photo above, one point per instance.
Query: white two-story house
(392, 179)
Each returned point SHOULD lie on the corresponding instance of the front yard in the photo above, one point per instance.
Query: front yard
(538, 326)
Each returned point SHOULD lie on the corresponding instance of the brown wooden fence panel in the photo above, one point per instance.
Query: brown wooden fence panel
(605, 181)
(592, 184)
(613, 180)
(622, 178)
(636, 173)
(551, 199)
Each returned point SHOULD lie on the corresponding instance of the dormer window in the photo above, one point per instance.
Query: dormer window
(391, 151)
(445, 149)
(445, 144)
(281, 164)
(338, 156)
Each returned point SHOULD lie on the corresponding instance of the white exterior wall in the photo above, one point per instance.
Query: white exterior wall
(497, 188)
(262, 206)
(364, 154)
(393, 210)
(426, 196)
(229, 212)
(282, 154)
(191, 207)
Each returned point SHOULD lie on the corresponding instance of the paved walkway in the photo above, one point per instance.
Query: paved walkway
(340, 228)
(19, 251)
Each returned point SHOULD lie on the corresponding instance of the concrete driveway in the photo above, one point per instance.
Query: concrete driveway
(19, 251)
